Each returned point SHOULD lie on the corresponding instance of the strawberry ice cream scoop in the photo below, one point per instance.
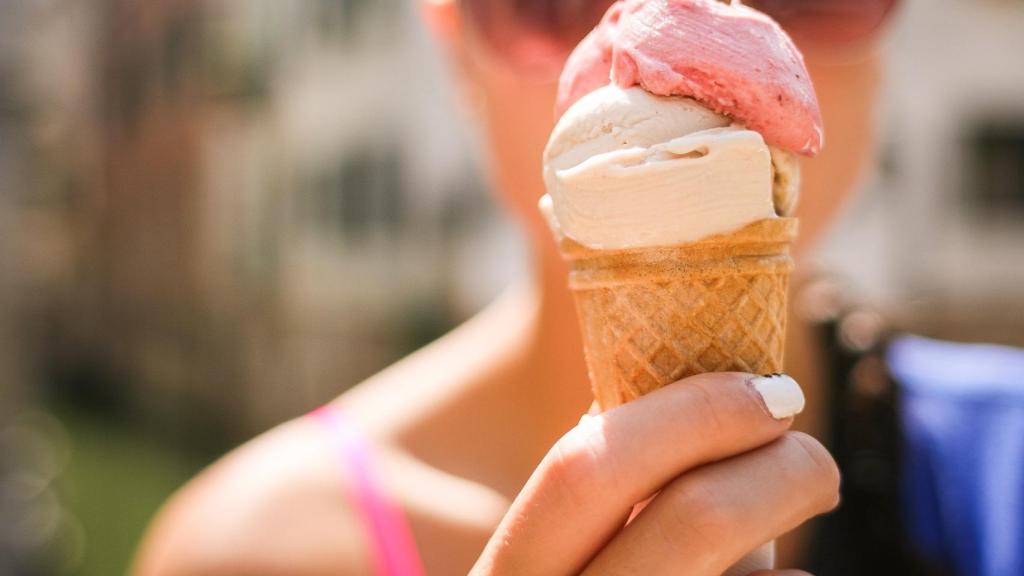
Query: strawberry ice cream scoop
(730, 58)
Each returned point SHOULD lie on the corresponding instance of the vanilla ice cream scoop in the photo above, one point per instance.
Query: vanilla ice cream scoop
(626, 169)
(612, 118)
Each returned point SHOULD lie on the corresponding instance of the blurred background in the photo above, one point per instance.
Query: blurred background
(218, 214)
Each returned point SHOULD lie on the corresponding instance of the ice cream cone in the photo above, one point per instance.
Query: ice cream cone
(651, 316)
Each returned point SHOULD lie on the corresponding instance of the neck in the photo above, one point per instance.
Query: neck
(557, 348)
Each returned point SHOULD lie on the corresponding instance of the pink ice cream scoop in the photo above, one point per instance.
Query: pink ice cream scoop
(730, 58)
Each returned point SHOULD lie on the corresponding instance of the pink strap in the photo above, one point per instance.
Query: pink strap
(393, 547)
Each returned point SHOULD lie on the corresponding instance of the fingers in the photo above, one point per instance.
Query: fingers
(705, 521)
(581, 493)
(763, 558)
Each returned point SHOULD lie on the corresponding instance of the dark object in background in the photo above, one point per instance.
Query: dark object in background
(995, 178)
(866, 534)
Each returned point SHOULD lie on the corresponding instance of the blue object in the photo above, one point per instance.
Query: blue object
(963, 469)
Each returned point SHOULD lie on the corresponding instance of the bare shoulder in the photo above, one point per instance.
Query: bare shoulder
(280, 505)
(276, 505)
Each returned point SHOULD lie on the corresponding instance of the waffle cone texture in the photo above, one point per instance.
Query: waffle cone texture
(652, 316)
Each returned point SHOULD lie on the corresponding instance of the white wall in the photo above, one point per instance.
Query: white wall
(908, 241)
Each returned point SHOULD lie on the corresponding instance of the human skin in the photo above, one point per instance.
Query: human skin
(460, 426)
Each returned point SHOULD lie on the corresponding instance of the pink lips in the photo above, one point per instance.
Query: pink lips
(732, 59)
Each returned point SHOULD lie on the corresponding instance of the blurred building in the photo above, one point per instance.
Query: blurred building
(37, 533)
(14, 506)
(937, 237)
(254, 204)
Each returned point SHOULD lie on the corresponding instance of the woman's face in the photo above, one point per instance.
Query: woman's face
(514, 101)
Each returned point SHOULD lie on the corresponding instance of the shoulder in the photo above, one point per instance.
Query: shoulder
(280, 505)
(275, 505)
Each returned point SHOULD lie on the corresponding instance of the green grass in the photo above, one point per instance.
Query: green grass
(117, 478)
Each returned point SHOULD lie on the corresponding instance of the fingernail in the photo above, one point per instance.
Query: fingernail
(781, 394)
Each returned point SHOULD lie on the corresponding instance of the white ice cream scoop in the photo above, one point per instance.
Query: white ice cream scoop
(628, 169)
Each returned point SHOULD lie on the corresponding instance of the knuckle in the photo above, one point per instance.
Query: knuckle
(575, 464)
(717, 402)
(695, 513)
(704, 409)
(824, 473)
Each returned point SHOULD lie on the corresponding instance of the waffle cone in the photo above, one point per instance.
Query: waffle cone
(652, 316)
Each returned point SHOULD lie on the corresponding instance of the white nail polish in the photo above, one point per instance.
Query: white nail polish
(781, 394)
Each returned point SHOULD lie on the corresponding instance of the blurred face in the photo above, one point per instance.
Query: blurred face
(509, 54)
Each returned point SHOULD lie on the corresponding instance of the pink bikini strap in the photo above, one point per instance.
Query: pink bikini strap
(393, 547)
